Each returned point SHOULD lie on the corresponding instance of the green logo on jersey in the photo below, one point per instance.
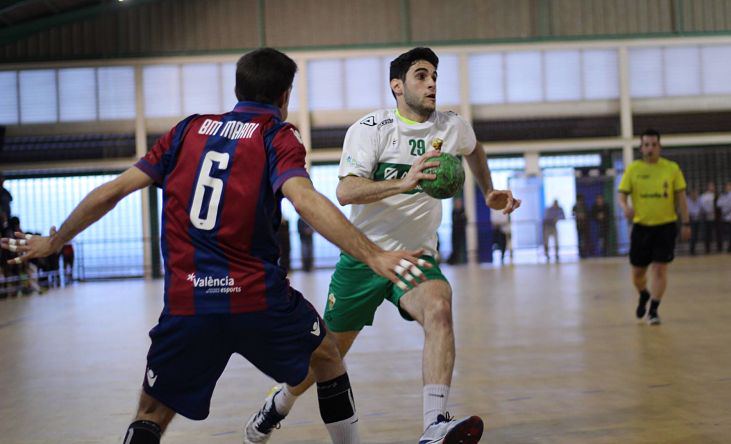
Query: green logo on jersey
(392, 171)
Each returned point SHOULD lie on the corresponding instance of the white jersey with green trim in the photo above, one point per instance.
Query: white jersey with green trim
(381, 146)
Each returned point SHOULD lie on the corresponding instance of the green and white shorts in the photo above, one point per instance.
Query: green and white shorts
(356, 292)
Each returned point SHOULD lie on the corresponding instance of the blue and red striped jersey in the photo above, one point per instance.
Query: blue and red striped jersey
(221, 177)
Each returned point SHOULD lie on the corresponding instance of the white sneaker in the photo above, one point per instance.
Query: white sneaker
(262, 423)
(654, 319)
(446, 430)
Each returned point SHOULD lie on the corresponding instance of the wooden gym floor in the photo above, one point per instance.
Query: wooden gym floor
(545, 354)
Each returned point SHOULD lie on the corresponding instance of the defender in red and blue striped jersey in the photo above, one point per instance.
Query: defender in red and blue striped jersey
(223, 178)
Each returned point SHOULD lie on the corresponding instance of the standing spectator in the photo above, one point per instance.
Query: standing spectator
(694, 212)
(501, 233)
(601, 215)
(724, 204)
(305, 231)
(19, 272)
(553, 214)
(67, 255)
(581, 216)
(708, 216)
(285, 245)
(5, 198)
(7, 284)
(459, 233)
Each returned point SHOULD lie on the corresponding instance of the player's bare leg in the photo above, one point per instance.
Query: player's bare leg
(430, 304)
(150, 422)
(334, 394)
(343, 341)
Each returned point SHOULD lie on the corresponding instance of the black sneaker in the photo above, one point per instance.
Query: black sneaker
(642, 305)
(653, 319)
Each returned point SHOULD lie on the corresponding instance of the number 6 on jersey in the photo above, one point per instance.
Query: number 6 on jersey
(216, 185)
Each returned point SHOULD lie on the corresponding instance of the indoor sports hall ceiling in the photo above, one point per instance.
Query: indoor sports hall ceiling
(19, 18)
(18, 12)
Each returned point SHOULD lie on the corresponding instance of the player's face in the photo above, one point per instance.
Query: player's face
(650, 148)
(420, 88)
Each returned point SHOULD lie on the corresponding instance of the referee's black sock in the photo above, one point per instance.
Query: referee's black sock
(642, 304)
(653, 307)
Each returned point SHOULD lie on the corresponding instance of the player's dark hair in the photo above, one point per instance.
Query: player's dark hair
(263, 75)
(401, 64)
(651, 133)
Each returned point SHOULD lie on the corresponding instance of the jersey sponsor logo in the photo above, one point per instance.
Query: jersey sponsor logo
(369, 121)
(316, 329)
(385, 122)
(151, 377)
(392, 171)
(233, 129)
(652, 195)
(214, 285)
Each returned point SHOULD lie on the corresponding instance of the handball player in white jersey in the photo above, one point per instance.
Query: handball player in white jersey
(384, 157)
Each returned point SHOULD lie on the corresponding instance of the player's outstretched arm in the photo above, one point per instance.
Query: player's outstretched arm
(92, 208)
(359, 190)
(495, 199)
(327, 220)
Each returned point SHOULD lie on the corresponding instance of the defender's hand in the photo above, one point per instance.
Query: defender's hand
(28, 246)
(398, 265)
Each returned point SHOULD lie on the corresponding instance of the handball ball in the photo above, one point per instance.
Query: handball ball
(450, 177)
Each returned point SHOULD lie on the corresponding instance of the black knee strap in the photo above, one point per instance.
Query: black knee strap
(336, 399)
(143, 432)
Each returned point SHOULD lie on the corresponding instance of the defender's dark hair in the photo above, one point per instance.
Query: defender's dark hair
(401, 64)
(650, 132)
(263, 75)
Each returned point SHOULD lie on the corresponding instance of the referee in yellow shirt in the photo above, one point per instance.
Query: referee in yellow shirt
(657, 190)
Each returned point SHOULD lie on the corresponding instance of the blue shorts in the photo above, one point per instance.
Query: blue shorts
(188, 353)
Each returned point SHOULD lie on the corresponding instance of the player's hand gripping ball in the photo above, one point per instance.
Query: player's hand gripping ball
(450, 177)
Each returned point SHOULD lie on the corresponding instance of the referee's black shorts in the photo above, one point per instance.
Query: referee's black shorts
(652, 244)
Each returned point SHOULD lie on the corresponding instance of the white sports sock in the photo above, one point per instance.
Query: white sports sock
(345, 431)
(284, 400)
(435, 402)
